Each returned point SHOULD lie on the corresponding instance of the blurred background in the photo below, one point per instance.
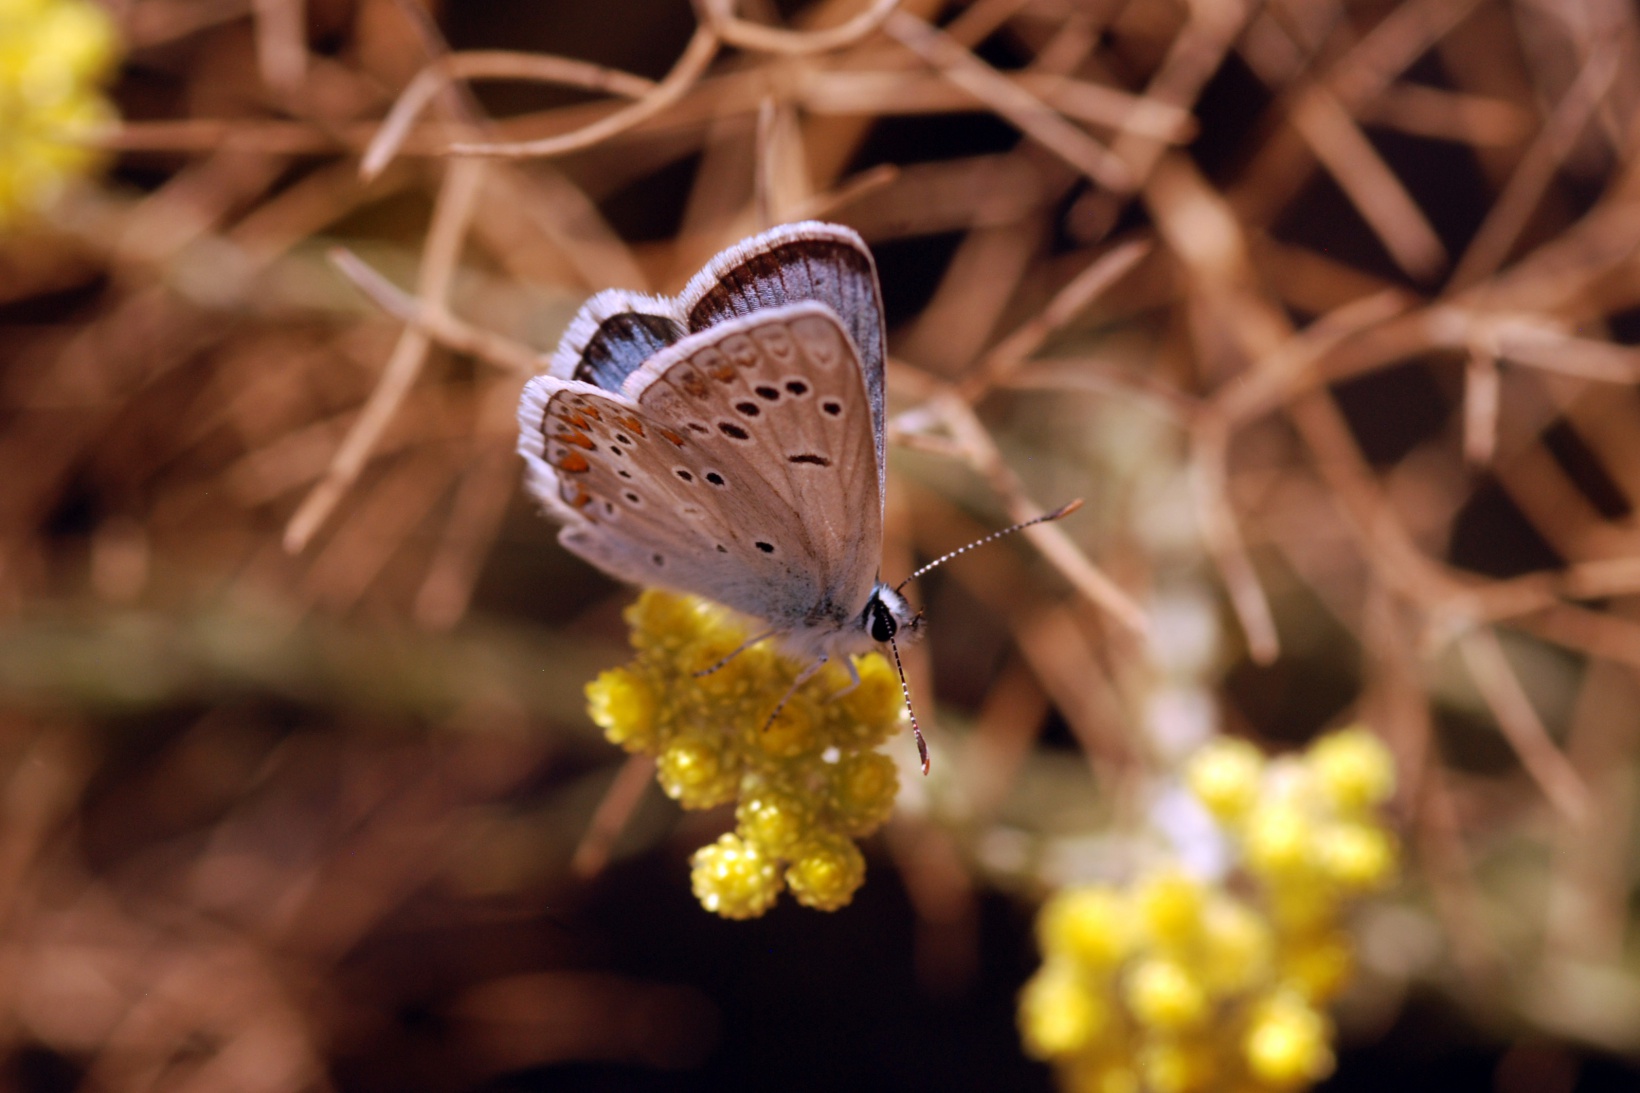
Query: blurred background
(1326, 307)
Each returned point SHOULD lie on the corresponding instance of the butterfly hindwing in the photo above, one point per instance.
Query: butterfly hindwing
(612, 334)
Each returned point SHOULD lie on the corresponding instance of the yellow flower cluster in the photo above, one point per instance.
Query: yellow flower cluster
(53, 55)
(806, 784)
(1178, 985)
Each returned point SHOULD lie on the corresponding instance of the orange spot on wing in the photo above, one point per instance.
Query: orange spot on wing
(631, 423)
(723, 373)
(673, 437)
(579, 439)
(574, 463)
(592, 412)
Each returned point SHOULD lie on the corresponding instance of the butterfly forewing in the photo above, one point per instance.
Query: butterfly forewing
(738, 463)
(826, 263)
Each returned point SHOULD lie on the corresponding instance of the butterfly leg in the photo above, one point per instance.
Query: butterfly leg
(739, 649)
(802, 677)
(853, 678)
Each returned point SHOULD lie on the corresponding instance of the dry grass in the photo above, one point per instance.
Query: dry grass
(1327, 308)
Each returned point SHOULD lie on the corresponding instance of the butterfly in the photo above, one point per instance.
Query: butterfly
(729, 442)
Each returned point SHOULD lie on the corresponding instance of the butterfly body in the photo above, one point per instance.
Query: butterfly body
(728, 442)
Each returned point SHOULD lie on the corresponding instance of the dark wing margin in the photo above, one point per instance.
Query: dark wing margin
(612, 335)
(616, 331)
(809, 260)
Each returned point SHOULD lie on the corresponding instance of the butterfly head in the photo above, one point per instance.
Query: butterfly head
(889, 616)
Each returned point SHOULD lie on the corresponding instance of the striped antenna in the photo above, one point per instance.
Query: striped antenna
(1063, 510)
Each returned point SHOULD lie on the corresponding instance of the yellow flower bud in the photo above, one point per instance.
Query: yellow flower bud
(872, 711)
(1224, 775)
(661, 619)
(791, 733)
(1174, 1067)
(1170, 907)
(1058, 1014)
(1092, 926)
(52, 55)
(1353, 769)
(1277, 838)
(1301, 903)
(1356, 856)
(1287, 1044)
(695, 774)
(773, 821)
(1101, 1075)
(622, 704)
(733, 879)
(73, 42)
(826, 872)
(702, 660)
(1237, 947)
(1163, 995)
(1316, 966)
(863, 788)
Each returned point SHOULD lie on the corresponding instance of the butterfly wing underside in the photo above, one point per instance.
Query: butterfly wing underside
(617, 331)
(739, 462)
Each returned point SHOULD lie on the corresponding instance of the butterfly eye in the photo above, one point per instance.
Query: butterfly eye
(883, 626)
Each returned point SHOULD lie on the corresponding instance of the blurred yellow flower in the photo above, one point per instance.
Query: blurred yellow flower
(1058, 1014)
(1353, 768)
(1162, 994)
(1224, 776)
(53, 56)
(1091, 926)
(1170, 907)
(1237, 946)
(1177, 1067)
(1288, 1043)
(1177, 983)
